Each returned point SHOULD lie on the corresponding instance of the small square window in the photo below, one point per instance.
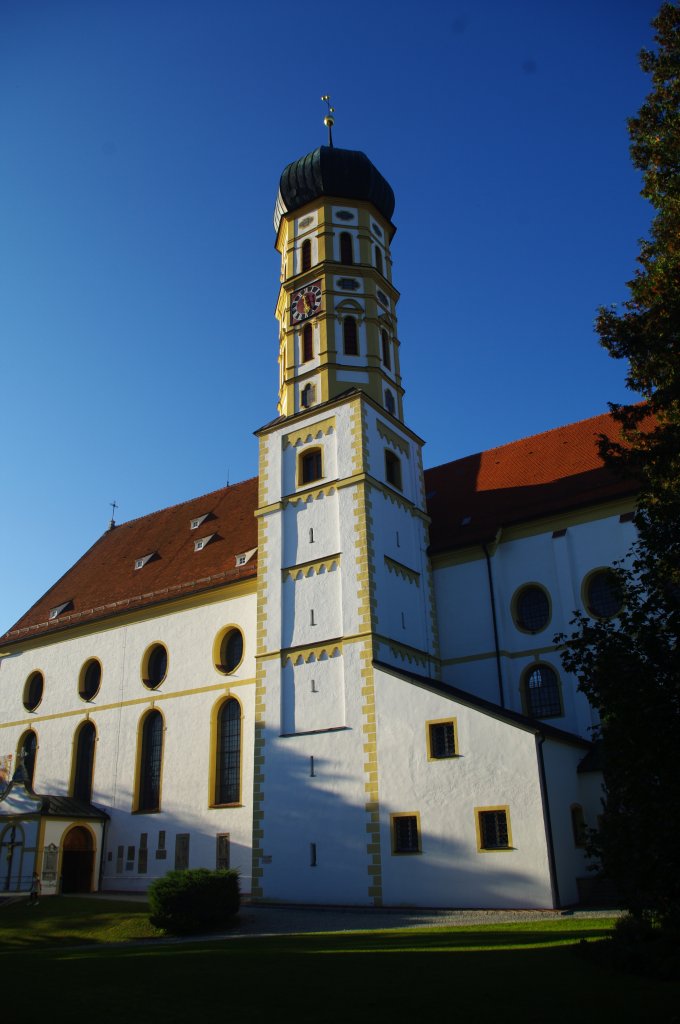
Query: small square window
(441, 738)
(405, 833)
(493, 828)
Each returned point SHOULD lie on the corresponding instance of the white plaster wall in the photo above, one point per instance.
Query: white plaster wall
(186, 699)
(564, 790)
(318, 514)
(313, 694)
(312, 607)
(497, 766)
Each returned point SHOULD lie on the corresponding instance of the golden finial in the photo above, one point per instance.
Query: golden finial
(329, 120)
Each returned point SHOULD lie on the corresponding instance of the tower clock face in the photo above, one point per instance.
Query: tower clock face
(305, 302)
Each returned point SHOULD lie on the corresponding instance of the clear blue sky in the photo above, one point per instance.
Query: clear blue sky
(141, 142)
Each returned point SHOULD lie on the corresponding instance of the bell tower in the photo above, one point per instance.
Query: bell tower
(336, 306)
(344, 581)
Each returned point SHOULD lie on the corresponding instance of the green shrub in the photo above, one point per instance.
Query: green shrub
(191, 901)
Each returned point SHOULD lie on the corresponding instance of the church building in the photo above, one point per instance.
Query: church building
(340, 676)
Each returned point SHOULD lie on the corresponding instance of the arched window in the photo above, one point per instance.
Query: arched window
(346, 251)
(150, 761)
(228, 766)
(542, 692)
(307, 344)
(310, 466)
(392, 469)
(349, 336)
(27, 748)
(387, 362)
(306, 254)
(84, 762)
(378, 260)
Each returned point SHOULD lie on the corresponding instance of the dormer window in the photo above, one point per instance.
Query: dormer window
(60, 609)
(203, 542)
(195, 523)
(245, 556)
(141, 562)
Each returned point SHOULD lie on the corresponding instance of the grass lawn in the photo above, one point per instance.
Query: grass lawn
(519, 972)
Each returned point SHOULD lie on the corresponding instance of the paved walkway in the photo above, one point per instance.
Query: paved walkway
(269, 919)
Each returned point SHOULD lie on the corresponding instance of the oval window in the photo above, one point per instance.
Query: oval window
(532, 609)
(603, 594)
(155, 666)
(33, 690)
(90, 679)
(231, 650)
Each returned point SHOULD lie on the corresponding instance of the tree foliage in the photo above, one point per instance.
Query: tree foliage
(629, 666)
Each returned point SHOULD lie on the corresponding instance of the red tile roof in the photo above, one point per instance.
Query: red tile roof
(544, 475)
(557, 471)
(104, 581)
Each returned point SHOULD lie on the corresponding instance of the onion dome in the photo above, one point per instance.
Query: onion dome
(345, 173)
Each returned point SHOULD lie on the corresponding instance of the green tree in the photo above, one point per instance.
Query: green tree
(629, 666)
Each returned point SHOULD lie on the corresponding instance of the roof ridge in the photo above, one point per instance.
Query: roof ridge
(518, 440)
(187, 501)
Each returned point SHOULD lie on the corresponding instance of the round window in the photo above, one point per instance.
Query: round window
(155, 666)
(231, 650)
(33, 690)
(90, 679)
(603, 594)
(532, 609)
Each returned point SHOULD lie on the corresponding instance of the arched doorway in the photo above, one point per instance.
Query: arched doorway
(77, 861)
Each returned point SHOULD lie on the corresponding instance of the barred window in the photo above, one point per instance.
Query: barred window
(405, 835)
(442, 740)
(494, 830)
(603, 594)
(228, 774)
(84, 762)
(151, 759)
(542, 692)
(532, 609)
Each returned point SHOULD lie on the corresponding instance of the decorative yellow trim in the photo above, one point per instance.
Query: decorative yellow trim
(402, 570)
(24, 693)
(299, 482)
(307, 655)
(305, 497)
(138, 764)
(410, 654)
(493, 849)
(116, 620)
(74, 752)
(428, 738)
(393, 438)
(81, 679)
(309, 433)
(219, 640)
(212, 767)
(153, 696)
(307, 569)
(393, 833)
(144, 667)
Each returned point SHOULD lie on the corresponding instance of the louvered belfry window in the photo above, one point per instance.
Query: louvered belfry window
(346, 250)
(307, 346)
(349, 336)
(306, 254)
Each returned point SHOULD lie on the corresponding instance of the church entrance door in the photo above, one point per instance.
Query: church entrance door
(77, 860)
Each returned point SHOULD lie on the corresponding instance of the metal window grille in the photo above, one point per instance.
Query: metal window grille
(406, 834)
(228, 787)
(222, 851)
(493, 826)
(232, 650)
(442, 740)
(533, 609)
(82, 782)
(543, 692)
(152, 757)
